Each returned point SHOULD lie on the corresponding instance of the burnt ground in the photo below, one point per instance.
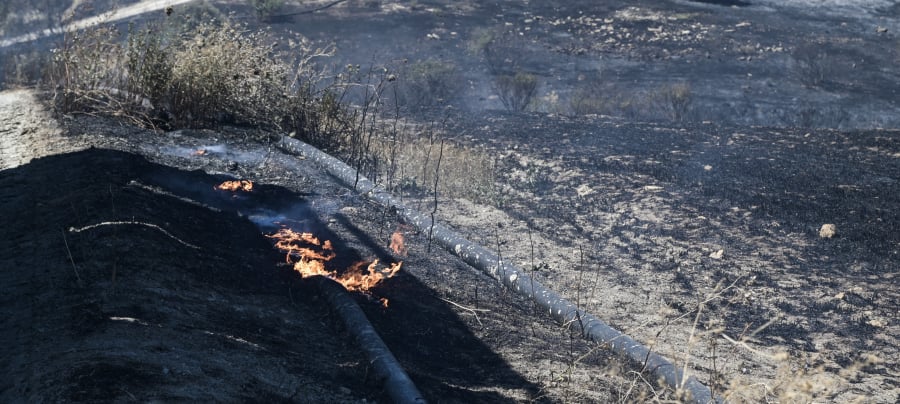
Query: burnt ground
(645, 222)
(123, 312)
(175, 293)
(206, 310)
(641, 223)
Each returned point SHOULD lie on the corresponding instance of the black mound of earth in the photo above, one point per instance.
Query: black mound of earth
(201, 311)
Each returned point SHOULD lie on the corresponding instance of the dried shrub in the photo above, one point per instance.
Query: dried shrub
(672, 102)
(221, 73)
(149, 63)
(503, 56)
(516, 92)
(225, 74)
(87, 73)
(215, 73)
(427, 83)
(407, 162)
(677, 100)
(592, 98)
(266, 8)
(813, 65)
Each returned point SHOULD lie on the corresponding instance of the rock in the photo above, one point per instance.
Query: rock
(877, 323)
(881, 29)
(716, 255)
(584, 190)
(828, 230)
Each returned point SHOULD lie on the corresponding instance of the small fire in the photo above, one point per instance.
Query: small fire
(311, 254)
(398, 244)
(199, 152)
(241, 185)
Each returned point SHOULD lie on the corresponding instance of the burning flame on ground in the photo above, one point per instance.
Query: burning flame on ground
(199, 152)
(398, 245)
(311, 254)
(241, 185)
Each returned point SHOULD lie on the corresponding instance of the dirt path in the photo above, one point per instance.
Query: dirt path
(116, 15)
(27, 129)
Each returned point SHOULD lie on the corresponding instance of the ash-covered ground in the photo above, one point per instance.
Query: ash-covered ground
(643, 216)
(128, 277)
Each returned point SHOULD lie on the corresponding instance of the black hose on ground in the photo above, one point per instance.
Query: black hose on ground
(512, 277)
(387, 370)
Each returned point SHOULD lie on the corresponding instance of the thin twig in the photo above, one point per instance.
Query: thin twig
(533, 269)
(72, 260)
(473, 311)
(118, 223)
(314, 10)
(437, 178)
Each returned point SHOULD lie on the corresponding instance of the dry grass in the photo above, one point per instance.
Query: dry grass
(195, 74)
(410, 159)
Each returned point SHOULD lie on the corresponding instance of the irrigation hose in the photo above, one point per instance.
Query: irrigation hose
(386, 368)
(512, 277)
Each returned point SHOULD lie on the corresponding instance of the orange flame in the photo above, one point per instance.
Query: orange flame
(242, 185)
(398, 244)
(198, 152)
(313, 254)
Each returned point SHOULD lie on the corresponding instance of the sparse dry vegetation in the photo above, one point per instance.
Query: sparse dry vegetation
(218, 72)
(668, 102)
(211, 73)
(426, 83)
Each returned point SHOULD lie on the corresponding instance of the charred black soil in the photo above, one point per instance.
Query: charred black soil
(119, 287)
